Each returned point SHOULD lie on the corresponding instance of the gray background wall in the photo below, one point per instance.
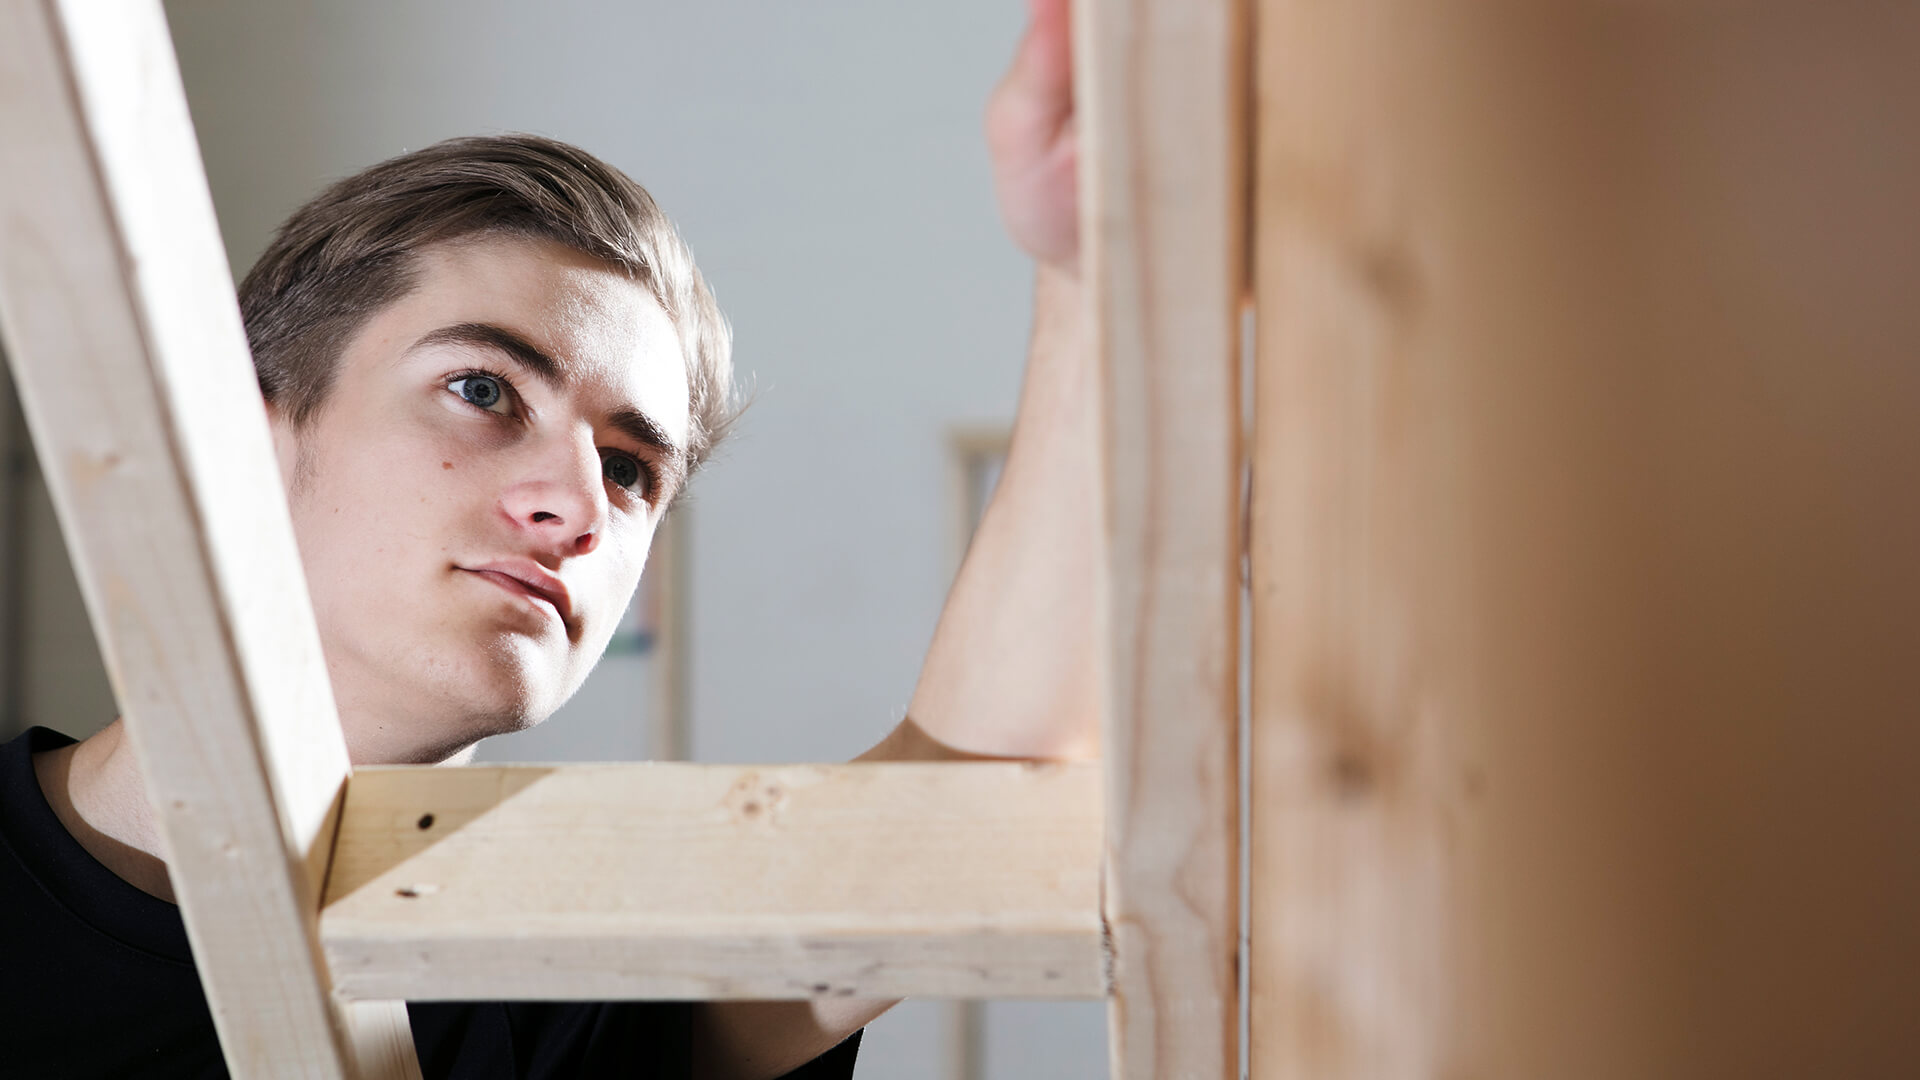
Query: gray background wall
(824, 161)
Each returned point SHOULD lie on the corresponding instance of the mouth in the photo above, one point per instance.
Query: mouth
(529, 580)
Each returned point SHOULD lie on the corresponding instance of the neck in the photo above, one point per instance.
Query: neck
(95, 789)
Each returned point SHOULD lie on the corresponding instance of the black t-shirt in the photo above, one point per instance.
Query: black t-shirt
(96, 980)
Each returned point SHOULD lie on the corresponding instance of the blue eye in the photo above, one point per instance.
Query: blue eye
(622, 470)
(482, 391)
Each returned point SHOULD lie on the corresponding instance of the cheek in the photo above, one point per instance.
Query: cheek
(634, 548)
(622, 570)
(361, 493)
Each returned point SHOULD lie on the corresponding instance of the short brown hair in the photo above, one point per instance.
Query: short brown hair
(354, 249)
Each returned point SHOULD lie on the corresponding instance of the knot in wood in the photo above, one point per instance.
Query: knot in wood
(754, 797)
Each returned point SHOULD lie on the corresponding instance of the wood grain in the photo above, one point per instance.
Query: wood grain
(127, 348)
(667, 880)
(1584, 518)
(1162, 112)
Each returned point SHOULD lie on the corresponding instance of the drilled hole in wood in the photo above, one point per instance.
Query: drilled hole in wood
(426, 821)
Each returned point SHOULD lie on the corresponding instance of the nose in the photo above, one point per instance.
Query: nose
(558, 497)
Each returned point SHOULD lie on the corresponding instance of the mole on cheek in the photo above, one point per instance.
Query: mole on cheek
(446, 464)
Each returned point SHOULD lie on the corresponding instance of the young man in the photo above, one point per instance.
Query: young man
(491, 367)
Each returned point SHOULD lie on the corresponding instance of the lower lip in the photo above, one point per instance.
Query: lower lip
(517, 588)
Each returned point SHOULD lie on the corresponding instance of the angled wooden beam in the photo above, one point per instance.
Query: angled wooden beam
(120, 322)
(1162, 100)
(718, 881)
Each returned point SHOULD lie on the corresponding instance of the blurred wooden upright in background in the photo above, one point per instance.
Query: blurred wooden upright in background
(1586, 540)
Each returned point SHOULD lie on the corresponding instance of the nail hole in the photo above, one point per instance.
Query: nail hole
(426, 821)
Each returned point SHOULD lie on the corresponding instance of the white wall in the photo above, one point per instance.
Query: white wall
(825, 163)
(50, 669)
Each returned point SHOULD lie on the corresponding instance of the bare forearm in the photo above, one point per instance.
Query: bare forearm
(1011, 669)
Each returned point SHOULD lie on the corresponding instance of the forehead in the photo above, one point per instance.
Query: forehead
(609, 335)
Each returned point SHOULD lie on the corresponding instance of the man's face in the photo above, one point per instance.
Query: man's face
(475, 499)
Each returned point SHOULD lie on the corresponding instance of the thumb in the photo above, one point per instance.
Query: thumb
(1044, 65)
(1034, 100)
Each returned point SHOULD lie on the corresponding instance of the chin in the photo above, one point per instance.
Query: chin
(425, 704)
(444, 737)
(498, 692)
(484, 717)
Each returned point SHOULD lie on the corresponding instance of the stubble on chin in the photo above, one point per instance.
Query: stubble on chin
(429, 705)
(510, 692)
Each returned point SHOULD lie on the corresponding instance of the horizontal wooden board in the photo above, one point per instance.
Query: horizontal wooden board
(668, 880)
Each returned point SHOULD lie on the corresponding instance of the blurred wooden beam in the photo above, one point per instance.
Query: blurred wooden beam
(1583, 541)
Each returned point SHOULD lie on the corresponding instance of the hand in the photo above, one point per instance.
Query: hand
(1031, 137)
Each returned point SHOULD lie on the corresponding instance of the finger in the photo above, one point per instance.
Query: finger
(1050, 42)
(1044, 65)
(1033, 104)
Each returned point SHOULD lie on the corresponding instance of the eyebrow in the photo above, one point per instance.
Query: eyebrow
(486, 335)
(629, 421)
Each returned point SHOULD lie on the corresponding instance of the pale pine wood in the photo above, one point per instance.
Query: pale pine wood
(1353, 793)
(1586, 596)
(1162, 110)
(126, 343)
(382, 1039)
(668, 880)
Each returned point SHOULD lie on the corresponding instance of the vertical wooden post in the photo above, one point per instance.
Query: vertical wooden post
(1162, 109)
(1585, 521)
(133, 369)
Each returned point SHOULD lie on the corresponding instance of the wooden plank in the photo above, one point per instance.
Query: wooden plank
(1162, 107)
(669, 880)
(1584, 522)
(1351, 794)
(126, 343)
